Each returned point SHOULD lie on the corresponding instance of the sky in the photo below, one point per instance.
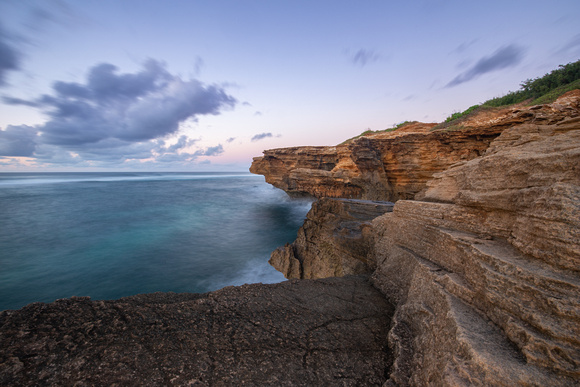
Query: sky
(199, 85)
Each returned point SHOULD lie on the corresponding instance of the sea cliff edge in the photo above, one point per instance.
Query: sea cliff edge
(432, 257)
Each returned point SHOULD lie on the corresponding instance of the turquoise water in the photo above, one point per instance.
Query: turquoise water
(109, 235)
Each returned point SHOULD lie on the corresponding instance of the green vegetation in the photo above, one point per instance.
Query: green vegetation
(455, 116)
(554, 94)
(546, 88)
(536, 91)
(369, 131)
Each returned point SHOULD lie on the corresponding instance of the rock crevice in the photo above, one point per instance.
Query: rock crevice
(484, 264)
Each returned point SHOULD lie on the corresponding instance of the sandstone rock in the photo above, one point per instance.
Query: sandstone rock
(485, 271)
(323, 332)
(335, 240)
(484, 266)
(398, 164)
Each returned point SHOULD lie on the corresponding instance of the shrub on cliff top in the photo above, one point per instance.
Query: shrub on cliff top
(536, 91)
(369, 131)
(457, 115)
(544, 89)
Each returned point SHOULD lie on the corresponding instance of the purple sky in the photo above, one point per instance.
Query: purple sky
(199, 85)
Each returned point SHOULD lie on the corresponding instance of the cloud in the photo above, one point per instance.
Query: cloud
(182, 142)
(507, 56)
(261, 136)
(464, 46)
(18, 101)
(18, 141)
(230, 139)
(9, 56)
(113, 117)
(131, 107)
(572, 46)
(363, 57)
(210, 151)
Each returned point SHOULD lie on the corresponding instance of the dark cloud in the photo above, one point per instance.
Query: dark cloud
(135, 107)
(182, 142)
(114, 118)
(230, 139)
(9, 56)
(18, 141)
(363, 57)
(505, 57)
(261, 136)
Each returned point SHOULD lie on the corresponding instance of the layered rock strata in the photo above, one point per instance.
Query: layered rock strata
(479, 276)
(484, 266)
(394, 165)
(335, 240)
(485, 271)
(309, 333)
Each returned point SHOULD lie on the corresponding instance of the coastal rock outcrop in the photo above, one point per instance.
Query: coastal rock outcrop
(396, 164)
(336, 239)
(485, 270)
(475, 281)
(484, 265)
(320, 332)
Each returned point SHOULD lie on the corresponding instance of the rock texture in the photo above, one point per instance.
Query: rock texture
(394, 165)
(484, 266)
(324, 332)
(479, 275)
(335, 240)
(485, 270)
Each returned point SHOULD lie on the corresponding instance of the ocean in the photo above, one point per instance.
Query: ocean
(110, 235)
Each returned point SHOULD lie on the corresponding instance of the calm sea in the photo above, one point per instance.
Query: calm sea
(109, 235)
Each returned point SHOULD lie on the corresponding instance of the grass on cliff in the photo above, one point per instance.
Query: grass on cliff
(541, 90)
(369, 131)
(536, 91)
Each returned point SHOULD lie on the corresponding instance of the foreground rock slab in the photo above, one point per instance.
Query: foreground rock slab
(308, 332)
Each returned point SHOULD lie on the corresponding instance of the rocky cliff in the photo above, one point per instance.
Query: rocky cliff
(395, 164)
(476, 281)
(336, 240)
(483, 266)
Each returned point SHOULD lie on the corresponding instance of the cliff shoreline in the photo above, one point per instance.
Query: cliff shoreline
(480, 253)
(471, 277)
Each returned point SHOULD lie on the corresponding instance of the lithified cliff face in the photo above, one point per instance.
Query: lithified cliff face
(392, 165)
(472, 276)
(483, 265)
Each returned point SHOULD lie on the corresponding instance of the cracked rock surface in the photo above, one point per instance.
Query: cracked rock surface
(308, 332)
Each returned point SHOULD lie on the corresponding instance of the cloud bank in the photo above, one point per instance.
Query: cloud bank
(112, 115)
(507, 56)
